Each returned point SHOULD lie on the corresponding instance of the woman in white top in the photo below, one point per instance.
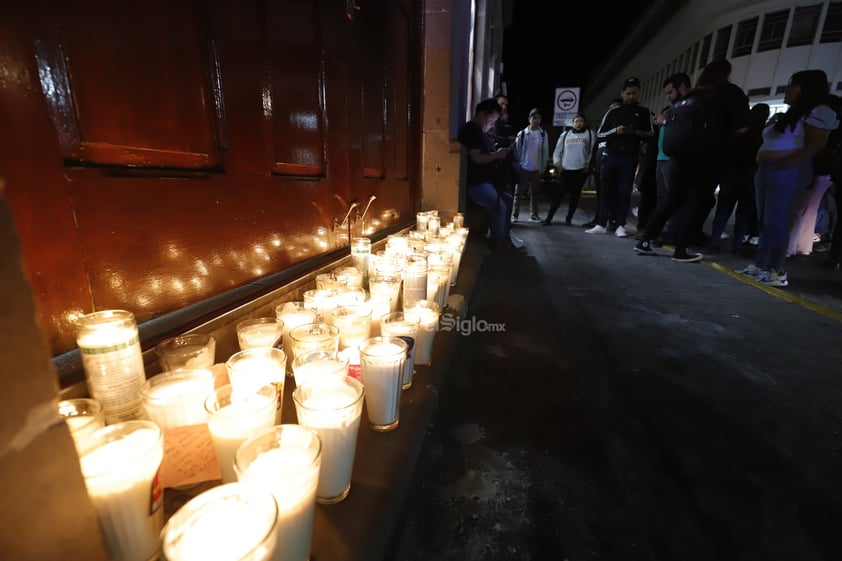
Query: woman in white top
(572, 159)
(785, 169)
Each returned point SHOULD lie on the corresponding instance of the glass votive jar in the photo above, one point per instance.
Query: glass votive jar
(438, 284)
(421, 220)
(260, 332)
(176, 398)
(83, 416)
(293, 314)
(360, 255)
(350, 297)
(234, 415)
(319, 363)
(382, 360)
(458, 220)
(429, 313)
(330, 281)
(389, 286)
(354, 324)
(109, 343)
(414, 279)
(396, 246)
(258, 367)
(193, 350)
(380, 305)
(314, 337)
(234, 521)
(353, 275)
(332, 406)
(285, 460)
(323, 301)
(433, 225)
(405, 326)
(120, 465)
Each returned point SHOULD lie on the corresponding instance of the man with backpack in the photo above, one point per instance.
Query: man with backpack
(531, 151)
(700, 133)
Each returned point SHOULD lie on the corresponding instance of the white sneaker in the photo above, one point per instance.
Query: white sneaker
(597, 230)
(620, 232)
(774, 278)
(752, 271)
(516, 241)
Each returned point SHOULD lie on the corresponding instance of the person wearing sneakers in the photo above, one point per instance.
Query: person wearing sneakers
(785, 169)
(572, 158)
(708, 120)
(623, 128)
(531, 151)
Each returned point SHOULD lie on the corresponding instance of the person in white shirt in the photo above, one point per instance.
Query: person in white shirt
(572, 158)
(531, 153)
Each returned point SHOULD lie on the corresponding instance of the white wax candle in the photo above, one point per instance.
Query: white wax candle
(354, 327)
(173, 400)
(328, 412)
(123, 486)
(320, 367)
(426, 334)
(227, 523)
(81, 426)
(293, 315)
(292, 476)
(230, 425)
(382, 372)
(259, 335)
(404, 328)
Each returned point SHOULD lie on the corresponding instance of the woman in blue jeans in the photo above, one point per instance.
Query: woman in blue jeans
(482, 172)
(785, 169)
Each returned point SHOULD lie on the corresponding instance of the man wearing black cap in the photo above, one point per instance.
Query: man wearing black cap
(532, 150)
(623, 128)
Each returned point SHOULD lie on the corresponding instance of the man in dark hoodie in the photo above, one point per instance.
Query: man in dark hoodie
(623, 128)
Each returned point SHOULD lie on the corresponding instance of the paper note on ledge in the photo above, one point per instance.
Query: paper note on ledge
(189, 456)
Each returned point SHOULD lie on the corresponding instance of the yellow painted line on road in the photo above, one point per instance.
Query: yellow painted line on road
(777, 292)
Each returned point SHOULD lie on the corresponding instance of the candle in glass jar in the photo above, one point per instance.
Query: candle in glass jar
(233, 416)
(382, 361)
(354, 276)
(83, 417)
(332, 407)
(175, 399)
(421, 220)
(400, 324)
(293, 314)
(429, 313)
(354, 324)
(414, 279)
(319, 363)
(254, 368)
(111, 357)
(314, 337)
(360, 255)
(234, 522)
(120, 464)
(285, 460)
(389, 286)
(260, 332)
(380, 305)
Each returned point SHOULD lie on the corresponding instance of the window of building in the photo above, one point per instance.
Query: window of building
(744, 39)
(692, 66)
(832, 31)
(720, 47)
(703, 59)
(772, 32)
(804, 25)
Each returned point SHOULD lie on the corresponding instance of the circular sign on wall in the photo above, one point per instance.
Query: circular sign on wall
(566, 100)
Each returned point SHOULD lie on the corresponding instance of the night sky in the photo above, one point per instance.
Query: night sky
(557, 44)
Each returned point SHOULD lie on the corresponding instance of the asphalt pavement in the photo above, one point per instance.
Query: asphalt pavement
(634, 408)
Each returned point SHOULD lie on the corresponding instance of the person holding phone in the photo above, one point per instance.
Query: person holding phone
(623, 128)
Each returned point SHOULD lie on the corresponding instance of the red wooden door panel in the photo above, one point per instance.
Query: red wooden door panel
(140, 84)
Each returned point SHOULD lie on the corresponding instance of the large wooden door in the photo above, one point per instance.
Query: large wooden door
(161, 154)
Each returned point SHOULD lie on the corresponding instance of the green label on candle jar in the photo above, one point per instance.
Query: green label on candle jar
(104, 350)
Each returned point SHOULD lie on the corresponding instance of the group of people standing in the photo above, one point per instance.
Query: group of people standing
(773, 171)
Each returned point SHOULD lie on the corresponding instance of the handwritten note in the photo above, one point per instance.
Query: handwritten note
(189, 456)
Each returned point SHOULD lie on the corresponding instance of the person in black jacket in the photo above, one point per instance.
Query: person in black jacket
(623, 128)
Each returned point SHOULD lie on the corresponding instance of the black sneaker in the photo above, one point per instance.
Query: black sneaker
(683, 256)
(568, 221)
(546, 222)
(643, 247)
(589, 224)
